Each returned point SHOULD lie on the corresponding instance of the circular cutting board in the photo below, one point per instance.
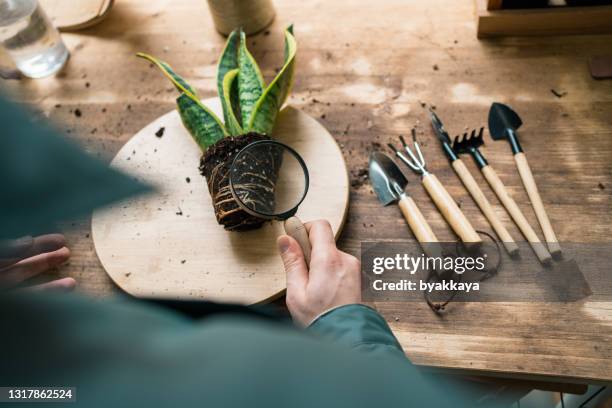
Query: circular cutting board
(169, 244)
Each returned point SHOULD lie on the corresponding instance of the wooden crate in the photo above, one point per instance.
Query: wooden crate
(495, 21)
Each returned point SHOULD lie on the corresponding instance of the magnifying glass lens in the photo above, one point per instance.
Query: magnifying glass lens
(269, 179)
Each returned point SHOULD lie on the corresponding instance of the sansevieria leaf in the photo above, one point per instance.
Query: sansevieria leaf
(250, 81)
(231, 123)
(204, 125)
(228, 62)
(267, 107)
(176, 79)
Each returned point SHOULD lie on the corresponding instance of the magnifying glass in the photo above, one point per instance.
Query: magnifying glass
(269, 180)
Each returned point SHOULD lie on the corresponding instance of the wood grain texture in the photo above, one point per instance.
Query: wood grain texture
(367, 79)
(169, 244)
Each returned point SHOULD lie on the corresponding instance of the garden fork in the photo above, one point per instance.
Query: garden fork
(443, 200)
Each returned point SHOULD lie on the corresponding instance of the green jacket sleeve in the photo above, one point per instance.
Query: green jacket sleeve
(359, 327)
(125, 353)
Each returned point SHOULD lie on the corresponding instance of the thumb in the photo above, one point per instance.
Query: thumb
(293, 261)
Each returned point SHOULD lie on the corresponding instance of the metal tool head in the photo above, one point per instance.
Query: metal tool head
(468, 142)
(502, 117)
(439, 128)
(386, 177)
(416, 161)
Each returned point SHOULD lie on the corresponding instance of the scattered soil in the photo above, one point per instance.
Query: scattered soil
(558, 94)
(160, 132)
(359, 177)
(601, 186)
(435, 67)
(78, 113)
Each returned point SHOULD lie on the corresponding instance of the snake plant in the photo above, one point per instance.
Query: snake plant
(250, 108)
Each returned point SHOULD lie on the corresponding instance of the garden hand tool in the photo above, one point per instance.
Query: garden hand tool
(472, 186)
(470, 144)
(503, 122)
(443, 200)
(389, 185)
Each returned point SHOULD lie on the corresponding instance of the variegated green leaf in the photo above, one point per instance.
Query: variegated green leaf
(231, 123)
(204, 125)
(267, 107)
(250, 81)
(176, 79)
(228, 62)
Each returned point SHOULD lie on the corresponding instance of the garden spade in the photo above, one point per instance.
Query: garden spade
(389, 184)
(470, 144)
(503, 123)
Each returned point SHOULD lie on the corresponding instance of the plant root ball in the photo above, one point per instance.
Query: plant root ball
(215, 165)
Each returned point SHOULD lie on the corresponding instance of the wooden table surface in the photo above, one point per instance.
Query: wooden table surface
(365, 69)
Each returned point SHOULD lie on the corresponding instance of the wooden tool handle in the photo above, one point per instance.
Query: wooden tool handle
(536, 202)
(295, 229)
(418, 224)
(420, 227)
(485, 206)
(516, 214)
(451, 212)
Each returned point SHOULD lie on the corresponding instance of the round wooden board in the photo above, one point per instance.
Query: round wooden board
(71, 15)
(170, 245)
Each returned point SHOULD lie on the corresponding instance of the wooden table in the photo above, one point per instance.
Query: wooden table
(365, 69)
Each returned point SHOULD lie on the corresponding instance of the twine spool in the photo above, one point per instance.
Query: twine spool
(251, 15)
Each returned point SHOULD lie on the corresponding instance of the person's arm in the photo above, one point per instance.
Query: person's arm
(325, 296)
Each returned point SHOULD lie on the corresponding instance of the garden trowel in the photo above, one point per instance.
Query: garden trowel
(389, 184)
(503, 123)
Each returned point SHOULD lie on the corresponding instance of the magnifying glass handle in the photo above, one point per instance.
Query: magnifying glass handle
(295, 229)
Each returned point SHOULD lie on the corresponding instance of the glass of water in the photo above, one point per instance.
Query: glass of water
(31, 40)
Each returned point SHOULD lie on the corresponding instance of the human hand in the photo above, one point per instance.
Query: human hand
(24, 258)
(332, 279)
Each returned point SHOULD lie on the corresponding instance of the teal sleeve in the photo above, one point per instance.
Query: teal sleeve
(359, 327)
(126, 353)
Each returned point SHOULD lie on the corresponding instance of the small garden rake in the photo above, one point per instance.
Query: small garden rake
(443, 200)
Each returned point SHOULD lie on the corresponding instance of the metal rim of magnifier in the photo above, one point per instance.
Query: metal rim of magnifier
(286, 214)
